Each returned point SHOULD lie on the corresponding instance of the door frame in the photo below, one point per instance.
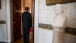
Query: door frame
(9, 37)
(9, 22)
(36, 19)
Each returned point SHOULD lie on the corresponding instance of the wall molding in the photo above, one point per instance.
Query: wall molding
(70, 30)
(45, 26)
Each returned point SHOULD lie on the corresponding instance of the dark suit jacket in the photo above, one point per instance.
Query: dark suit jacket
(26, 20)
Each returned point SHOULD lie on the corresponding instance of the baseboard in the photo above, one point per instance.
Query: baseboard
(1, 40)
(4, 41)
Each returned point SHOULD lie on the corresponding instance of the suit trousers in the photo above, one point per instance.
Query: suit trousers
(26, 32)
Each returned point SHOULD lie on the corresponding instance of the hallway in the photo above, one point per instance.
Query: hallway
(30, 38)
(21, 41)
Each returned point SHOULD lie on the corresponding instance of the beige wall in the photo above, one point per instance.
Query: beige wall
(28, 3)
(22, 6)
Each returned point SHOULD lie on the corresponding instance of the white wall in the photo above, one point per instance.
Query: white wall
(5, 32)
(45, 36)
(3, 35)
(46, 14)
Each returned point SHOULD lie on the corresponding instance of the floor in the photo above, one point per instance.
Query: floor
(19, 41)
(30, 39)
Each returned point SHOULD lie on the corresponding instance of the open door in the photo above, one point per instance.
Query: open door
(16, 19)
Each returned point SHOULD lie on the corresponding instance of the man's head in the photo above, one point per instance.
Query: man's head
(26, 8)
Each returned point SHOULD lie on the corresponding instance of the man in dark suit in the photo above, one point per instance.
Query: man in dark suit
(26, 24)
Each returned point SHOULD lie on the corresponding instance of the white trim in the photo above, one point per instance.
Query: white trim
(9, 41)
(8, 26)
(36, 30)
(5, 41)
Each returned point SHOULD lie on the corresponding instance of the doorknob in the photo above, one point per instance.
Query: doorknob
(14, 22)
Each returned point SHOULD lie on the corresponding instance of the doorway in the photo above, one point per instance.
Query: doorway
(17, 10)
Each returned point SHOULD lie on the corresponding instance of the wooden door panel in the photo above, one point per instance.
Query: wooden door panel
(17, 35)
(17, 16)
(17, 19)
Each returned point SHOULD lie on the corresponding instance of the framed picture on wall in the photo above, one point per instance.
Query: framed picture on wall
(52, 2)
(0, 4)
